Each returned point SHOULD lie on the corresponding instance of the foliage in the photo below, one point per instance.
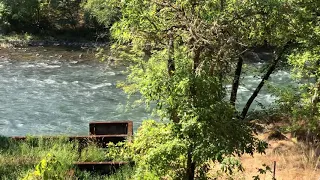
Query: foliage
(182, 53)
(92, 153)
(43, 17)
(53, 158)
(102, 10)
(3, 13)
(123, 173)
(158, 152)
(55, 164)
(263, 170)
(19, 13)
(46, 169)
(302, 103)
(155, 150)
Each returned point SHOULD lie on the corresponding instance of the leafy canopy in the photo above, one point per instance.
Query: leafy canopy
(181, 54)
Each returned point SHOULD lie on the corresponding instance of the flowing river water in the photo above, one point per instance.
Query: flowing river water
(49, 91)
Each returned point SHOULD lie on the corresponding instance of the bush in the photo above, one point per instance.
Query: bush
(159, 152)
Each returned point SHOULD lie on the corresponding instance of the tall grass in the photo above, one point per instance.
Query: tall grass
(18, 159)
(122, 174)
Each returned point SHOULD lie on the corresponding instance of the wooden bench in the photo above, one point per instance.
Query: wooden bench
(100, 133)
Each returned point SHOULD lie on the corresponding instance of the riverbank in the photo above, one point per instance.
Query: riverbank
(286, 157)
(294, 160)
(51, 158)
(38, 48)
(75, 54)
(27, 40)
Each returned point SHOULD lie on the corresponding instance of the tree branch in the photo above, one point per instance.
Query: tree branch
(264, 78)
(236, 80)
(171, 64)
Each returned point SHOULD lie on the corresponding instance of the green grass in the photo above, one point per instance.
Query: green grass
(122, 174)
(17, 159)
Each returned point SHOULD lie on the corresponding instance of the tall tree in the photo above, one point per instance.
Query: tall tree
(182, 53)
(192, 46)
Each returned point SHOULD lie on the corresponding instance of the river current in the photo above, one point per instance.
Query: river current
(53, 92)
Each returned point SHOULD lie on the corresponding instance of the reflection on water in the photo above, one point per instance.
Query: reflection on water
(59, 91)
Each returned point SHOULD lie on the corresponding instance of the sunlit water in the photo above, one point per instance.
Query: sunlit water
(264, 99)
(54, 96)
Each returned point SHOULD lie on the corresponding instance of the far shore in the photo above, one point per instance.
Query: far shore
(5, 43)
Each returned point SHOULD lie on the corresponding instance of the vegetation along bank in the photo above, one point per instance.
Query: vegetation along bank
(182, 55)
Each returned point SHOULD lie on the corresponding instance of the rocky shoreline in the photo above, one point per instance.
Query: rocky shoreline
(35, 43)
(38, 51)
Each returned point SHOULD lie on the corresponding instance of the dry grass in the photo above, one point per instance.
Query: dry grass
(294, 161)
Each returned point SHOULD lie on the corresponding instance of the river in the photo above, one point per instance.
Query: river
(59, 91)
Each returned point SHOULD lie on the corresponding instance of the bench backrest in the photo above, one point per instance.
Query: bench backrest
(111, 128)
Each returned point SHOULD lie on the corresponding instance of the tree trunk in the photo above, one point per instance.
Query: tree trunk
(191, 166)
(222, 4)
(235, 84)
(196, 62)
(171, 68)
(264, 78)
(315, 98)
(171, 65)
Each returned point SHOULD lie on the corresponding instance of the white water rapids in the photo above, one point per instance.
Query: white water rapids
(50, 96)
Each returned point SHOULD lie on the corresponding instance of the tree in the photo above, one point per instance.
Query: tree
(305, 61)
(270, 25)
(20, 13)
(102, 10)
(41, 16)
(182, 53)
(61, 14)
(189, 48)
(3, 15)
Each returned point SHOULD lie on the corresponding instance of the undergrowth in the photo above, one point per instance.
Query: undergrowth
(45, 158)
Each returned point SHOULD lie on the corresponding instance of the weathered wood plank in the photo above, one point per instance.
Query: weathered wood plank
(111, 128)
